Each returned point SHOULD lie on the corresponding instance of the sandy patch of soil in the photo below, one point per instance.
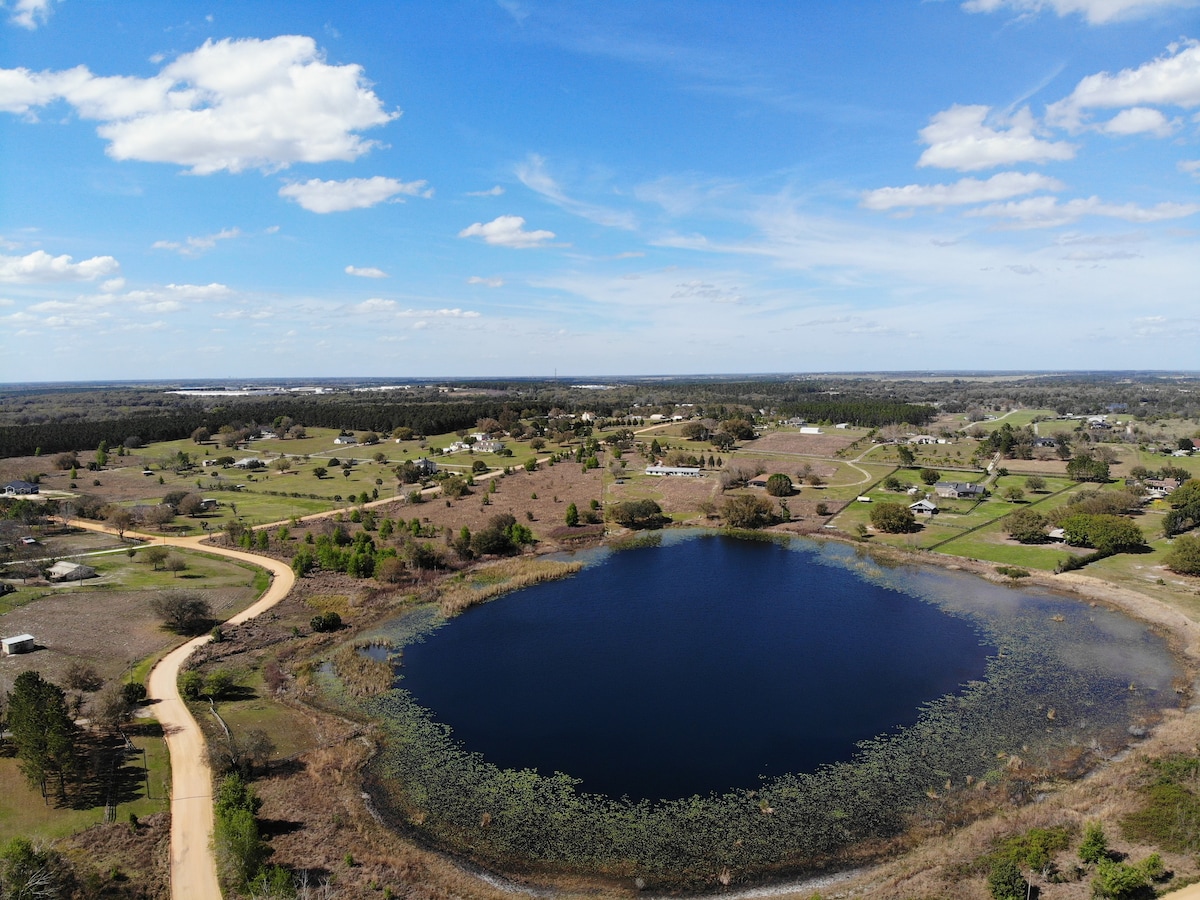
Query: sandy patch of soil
(804, 444)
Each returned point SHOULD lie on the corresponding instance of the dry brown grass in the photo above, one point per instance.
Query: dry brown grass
(486, 582)
(362, 676)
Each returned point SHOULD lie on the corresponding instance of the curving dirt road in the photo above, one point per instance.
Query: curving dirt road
(193, 865)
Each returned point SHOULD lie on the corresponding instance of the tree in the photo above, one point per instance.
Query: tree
(893, 518)
(1026, 526)
(110, 707)
(930, 476)
(779, 485)
(636, 514)
(156, 556)
(177, 564)
(201, 434)
(31, 872)
(184, 612)
(119, 519)
(1013, 494)
(320, 472)
(747, 511)
(906, 456)
(1035, 484)
(1184, 555)
(41, 730)
(740, 429)
(572, 516)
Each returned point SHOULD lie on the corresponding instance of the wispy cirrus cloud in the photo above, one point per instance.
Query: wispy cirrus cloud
(194, 246)
(320, 196)
(965, 191)
(493, 282)
(1096, 12)
(533, 174)
(1047, 212)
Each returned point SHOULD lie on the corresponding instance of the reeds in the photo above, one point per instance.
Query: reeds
(489, 582)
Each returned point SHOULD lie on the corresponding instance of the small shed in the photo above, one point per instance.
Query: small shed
(21, 643)
(924, 508)
(69, 571)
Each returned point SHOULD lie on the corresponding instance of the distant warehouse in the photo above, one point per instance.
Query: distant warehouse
(685, 471)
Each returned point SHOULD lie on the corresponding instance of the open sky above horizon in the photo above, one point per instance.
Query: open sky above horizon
(518, 187)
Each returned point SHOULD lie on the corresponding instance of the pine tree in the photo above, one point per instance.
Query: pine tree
(42, 731)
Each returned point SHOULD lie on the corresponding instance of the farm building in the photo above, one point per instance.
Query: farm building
(69, 571)
(923, 508)
(426, 466)
(21, 643)
(959, 490)
(345, 439)
(684, 471)
(15, 488)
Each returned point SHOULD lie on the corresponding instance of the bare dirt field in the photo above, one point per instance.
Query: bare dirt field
(109, 630)
(803, 444)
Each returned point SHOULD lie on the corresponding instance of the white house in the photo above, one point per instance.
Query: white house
(489, 445)
(923, 508)
(70, 571)
(345, 439)
(681, 471)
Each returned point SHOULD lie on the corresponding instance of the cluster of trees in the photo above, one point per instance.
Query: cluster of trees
(1102, 532)
(1086, 467)
(241, 851)
(1184, 514)
(865, 413)
(636, 514)
(748, 511)
(42, 732)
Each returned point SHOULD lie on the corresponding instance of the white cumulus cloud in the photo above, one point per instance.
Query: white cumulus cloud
(963, 191)
(960, 138)
(229, 105)
(366, 272)
(507, 231)
(1170, 80)
(1139, 120)
(31, 13)
(320, 196)
(1097, 12)
(40, 266)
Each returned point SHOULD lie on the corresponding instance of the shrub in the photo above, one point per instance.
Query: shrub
(133, 692)
(1095, 844)
(747, 511)
(330, 621)
(1184, 556)
(1005, 881)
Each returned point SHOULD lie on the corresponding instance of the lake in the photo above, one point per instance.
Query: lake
(696, 667)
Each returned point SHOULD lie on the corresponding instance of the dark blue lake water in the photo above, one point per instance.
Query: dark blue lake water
(695, 667)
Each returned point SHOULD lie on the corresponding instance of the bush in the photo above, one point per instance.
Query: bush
(134, 692)
(636, 514)
(1026, 526)
(330, 621)
(1095, 844)
(1005, 881)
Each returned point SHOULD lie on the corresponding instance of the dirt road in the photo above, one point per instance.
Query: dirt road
(193, 865)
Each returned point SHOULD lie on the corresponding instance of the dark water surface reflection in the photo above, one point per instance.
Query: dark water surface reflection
(694, 667)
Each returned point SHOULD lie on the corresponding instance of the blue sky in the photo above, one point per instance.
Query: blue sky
(521, 187)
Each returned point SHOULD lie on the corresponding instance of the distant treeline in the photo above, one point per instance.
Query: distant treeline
(864, 413)
(423, 418)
